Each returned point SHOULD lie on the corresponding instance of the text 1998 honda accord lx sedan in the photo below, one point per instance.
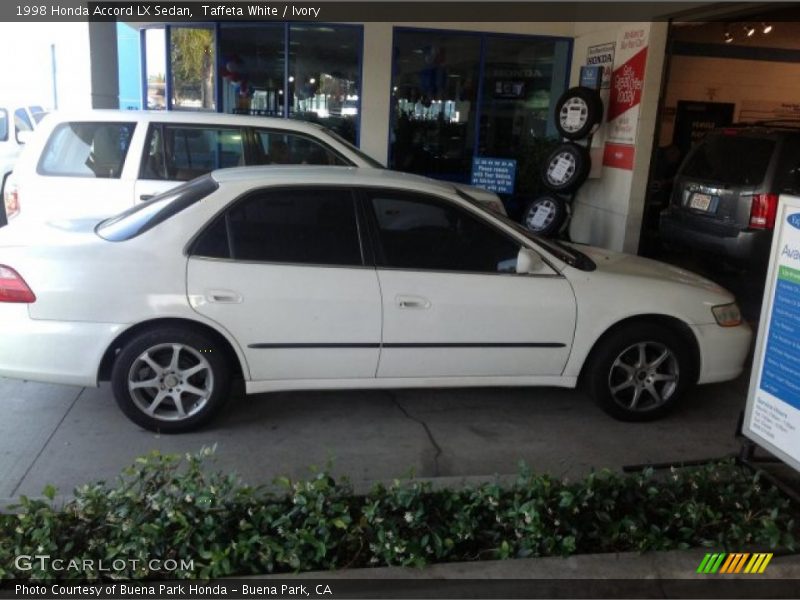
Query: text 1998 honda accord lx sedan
(334, 277)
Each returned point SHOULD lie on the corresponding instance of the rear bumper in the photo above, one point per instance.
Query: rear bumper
(746, 247)
(67, 352)
(723, 351)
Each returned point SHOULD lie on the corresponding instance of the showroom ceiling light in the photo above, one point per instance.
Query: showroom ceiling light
(749, 30)
(728, 37)
(766, 28)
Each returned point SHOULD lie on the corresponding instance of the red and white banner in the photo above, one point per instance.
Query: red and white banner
(627, 84)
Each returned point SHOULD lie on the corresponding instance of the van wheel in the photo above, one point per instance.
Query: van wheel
(170, 380)
(640, 372)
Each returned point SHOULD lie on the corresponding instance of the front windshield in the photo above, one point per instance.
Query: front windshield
(354, 149)
(563, 252)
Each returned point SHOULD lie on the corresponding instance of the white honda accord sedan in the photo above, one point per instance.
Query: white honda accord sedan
(335, 277)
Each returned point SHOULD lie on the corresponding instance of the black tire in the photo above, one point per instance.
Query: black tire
(197, 352)
(624, 390)
(578, 111)
(566, 168)
(545, 215)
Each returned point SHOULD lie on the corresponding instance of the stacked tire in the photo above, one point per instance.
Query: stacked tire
(579, 111)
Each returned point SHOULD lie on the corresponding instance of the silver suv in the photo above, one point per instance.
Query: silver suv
(725, 195)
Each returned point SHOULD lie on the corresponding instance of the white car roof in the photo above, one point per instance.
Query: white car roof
(187, 117)
(311, 175)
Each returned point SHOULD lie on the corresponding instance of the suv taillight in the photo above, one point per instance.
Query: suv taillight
(13, 287)
(763, 211)
(11, 199)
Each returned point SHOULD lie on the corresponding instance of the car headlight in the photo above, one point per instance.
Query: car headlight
(727, 315)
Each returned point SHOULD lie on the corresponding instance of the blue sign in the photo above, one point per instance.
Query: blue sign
(494, 174)
(781, 373)
(794, 220)
(592, 77)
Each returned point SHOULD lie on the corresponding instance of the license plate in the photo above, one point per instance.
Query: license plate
(701, 202)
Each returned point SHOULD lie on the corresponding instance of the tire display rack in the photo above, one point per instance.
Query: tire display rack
(578, 114)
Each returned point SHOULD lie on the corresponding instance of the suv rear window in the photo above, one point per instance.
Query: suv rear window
(87, 150)
(731, 159)
(138, 219)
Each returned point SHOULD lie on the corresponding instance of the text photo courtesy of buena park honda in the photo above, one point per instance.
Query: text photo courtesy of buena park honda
(384, 299)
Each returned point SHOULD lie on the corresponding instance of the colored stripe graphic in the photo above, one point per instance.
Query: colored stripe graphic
(758, 563)
(728, 564)
(734, 563)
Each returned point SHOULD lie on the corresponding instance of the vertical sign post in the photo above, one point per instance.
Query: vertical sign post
(772, 414)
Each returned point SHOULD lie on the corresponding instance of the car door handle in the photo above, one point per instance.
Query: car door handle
(413, 302)
(146, 197)
(224, 297)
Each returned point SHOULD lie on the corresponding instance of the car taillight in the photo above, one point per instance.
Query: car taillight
(11, 199)
(13, 287)
(763, 211)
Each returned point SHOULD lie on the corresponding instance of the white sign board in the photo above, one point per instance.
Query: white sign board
(772, 415)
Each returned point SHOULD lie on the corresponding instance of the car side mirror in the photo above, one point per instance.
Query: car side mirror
(23, 137)
(528, 261)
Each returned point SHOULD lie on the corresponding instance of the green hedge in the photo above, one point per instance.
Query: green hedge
(167, 507)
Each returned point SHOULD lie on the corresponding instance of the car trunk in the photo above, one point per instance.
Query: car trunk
(715, 187)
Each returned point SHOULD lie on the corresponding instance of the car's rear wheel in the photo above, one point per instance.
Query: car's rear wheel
(171, 380)
(640, 372)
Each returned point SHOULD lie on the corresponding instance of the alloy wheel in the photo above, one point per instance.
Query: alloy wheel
(170, 382)
(643, 376)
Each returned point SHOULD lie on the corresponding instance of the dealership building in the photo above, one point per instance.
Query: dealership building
(436, 98)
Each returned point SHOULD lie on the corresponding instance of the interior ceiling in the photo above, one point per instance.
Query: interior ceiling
(784, 19)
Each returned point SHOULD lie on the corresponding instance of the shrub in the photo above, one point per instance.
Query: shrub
(167, 508)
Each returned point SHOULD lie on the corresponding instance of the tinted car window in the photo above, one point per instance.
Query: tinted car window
(138, 219)
(731, 159)
(281, 148)
(181, 153)
(87, 150)
(423, 233)
(3, 124)
(21, 120)
(309, 226)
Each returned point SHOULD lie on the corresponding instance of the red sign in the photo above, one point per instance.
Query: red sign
(627, 83)
(619, 156)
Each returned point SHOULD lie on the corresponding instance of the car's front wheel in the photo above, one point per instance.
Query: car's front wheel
(640, 372)
(170, 380)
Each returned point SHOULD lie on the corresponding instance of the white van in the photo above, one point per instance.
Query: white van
(17, 122)
(97, 163)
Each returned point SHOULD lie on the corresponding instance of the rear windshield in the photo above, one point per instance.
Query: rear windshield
(144, 216)
(731, 159)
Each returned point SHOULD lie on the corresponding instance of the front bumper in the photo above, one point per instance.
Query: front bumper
(66, 352)
(723, 351)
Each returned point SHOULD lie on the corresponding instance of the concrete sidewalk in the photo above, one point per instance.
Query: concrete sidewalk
(69, 436)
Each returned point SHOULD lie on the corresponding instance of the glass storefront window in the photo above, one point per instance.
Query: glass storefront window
(324, 81)
(251, 68)
(438, 109)
(434, 96)
(522, 79)
(155, 44)
(192, 61)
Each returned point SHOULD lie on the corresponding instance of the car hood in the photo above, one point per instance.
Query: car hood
(618, 263)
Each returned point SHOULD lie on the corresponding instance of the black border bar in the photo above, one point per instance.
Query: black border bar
(394, 11)
(340, 589)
